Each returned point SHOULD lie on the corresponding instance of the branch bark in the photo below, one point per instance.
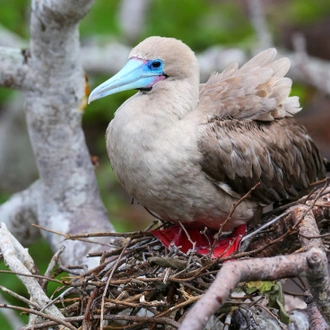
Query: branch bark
(312, 264)
(132, 16)
(13, 69)
(243, 271)
(317, 274)
(51, 75)
(19, 212)
(69, 198)
(11, 317)
(10, 39)
(19, 261)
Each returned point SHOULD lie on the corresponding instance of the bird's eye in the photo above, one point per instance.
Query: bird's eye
(156, 64)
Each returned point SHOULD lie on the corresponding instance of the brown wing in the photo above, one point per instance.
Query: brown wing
(237, 154)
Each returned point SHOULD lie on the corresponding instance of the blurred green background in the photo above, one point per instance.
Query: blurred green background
(200, 24)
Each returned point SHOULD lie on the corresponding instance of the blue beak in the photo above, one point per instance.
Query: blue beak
(135, 74)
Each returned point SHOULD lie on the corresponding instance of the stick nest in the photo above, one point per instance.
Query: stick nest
(143, 285)
(140, 285)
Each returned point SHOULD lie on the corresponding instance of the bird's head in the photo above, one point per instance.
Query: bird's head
(151, 62)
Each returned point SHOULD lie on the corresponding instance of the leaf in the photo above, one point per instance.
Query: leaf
(261, 286)
(276, 300)
(273, 291)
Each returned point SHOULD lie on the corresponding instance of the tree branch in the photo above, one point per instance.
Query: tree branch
(13, 69)
(132, 16)
(317, 274)
(19, 212)
(312, 264)
(67, 197)
(19, 261)
(243, 271)
(12, 318)
(316, 319)
(93, 57)
(10, 39)
(259, 23)
(310, 70)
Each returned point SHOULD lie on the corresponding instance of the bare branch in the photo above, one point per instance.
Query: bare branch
(19, 212)
(316, 319)
(10, 39)
(132, 17)
(310, 70)
(9, 314)
(68, 198)
(106, 59)
(258, 20)
(317, 274)
(17, 163)
(61, 12)
(18, 260)
(244, 271)
(13, 69)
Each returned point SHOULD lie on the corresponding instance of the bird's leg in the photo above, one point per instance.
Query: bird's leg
(202, 241)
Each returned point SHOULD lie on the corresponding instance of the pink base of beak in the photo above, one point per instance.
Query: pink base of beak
(224, 247)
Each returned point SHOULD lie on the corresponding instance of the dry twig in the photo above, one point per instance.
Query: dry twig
(141, 283)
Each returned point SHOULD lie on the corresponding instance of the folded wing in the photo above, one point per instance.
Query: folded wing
(249, 137)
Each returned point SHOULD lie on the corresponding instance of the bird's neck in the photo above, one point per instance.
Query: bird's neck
(162, 107)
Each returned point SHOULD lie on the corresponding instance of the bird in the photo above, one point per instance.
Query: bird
(189, 151)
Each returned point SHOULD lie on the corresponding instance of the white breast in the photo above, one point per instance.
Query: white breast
(160, 168)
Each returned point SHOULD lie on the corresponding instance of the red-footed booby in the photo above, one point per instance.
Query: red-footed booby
(189, 151)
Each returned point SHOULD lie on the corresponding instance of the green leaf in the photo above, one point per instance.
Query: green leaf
(273, 291)
(261, 286)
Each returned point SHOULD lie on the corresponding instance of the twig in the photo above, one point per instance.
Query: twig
(9, 314)
(79, 237)
(105, 292)
(235, 205)
(266, 225)
(189, 238)
(43, 315)
(19, 297)
(17, 258)
(316, 320)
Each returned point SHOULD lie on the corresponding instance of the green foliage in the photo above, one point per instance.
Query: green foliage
(300, 91)
(198, 23)
(14, 16)
(273, 291)
(102, 19)
(304, 12)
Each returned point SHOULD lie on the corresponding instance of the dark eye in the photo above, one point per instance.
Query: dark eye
(156, 64)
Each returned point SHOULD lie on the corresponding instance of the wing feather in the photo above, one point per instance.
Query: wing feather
(258, 90)
(237, 154)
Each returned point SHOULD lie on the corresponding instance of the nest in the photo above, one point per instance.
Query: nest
(143, 285)
(139, 285)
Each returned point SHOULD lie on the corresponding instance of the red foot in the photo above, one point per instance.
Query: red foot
(223, 248)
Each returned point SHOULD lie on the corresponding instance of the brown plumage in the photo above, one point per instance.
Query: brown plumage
(279, 154)
(188, 152)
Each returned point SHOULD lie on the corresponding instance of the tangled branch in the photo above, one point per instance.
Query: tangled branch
(141, 283)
